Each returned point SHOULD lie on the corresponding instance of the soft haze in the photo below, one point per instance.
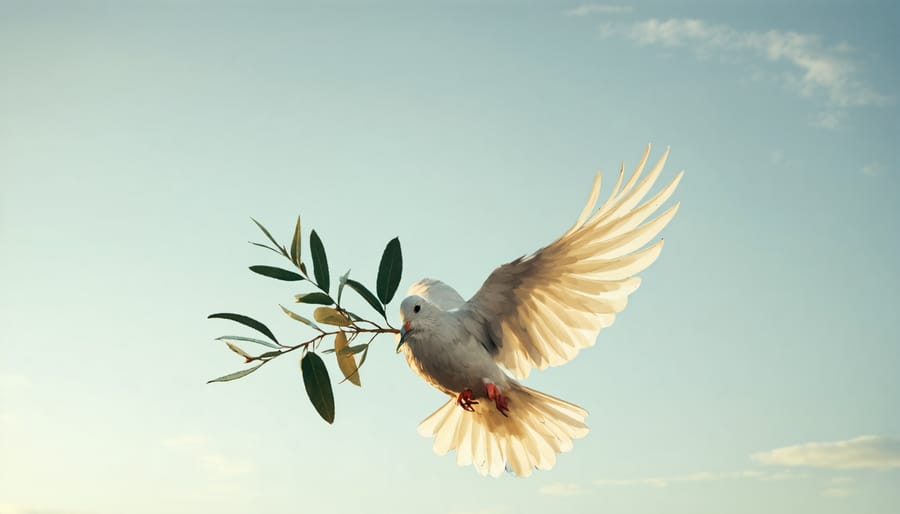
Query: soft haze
(756, 370)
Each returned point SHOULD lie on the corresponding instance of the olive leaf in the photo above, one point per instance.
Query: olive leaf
(346, 361)
(318, 385)
(389, 271)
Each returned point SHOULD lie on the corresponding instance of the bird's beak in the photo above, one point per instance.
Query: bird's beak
(404, 333)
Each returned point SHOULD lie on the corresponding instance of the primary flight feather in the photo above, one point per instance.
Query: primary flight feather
(534, 312)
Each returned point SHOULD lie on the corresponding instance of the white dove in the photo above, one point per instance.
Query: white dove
(534, 312)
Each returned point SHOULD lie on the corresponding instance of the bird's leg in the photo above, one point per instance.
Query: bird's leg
(465, 400)
(499, 400)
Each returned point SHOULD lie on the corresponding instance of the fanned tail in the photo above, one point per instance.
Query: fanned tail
(538, 427)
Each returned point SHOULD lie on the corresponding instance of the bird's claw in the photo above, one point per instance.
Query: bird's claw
(500, 401)
(465, 400)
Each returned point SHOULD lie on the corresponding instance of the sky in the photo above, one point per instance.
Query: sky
(756, 369)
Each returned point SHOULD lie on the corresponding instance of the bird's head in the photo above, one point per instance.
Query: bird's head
(417, 315)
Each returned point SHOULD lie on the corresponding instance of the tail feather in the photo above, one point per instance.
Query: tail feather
(538, 427)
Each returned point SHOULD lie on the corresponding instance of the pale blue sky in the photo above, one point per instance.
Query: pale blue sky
(137, 138)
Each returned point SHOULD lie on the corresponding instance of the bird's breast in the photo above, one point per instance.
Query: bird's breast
(453, 365)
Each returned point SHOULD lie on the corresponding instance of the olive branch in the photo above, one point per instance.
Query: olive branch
(348, 326)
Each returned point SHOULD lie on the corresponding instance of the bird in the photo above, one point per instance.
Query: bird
(534, 312)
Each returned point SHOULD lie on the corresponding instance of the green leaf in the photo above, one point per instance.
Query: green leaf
(277, 273)
(248, 339)
(296, 243)
(265, 246)
(320, 261)
(317, 298)
(301, 319)
(362, 360)
(236, 375)
(281, 249)
(269, 355)
(247, 321)
(318, 385)
(353, 350)
(341, 283)
(389, 271)
(367, 295)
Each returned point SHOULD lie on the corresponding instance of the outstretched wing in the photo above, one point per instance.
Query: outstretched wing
(540, 310)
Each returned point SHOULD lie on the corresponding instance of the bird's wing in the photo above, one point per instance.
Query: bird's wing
(440, 294)
(540, 310)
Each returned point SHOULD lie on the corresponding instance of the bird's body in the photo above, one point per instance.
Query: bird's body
(451, 359)
(533, 312)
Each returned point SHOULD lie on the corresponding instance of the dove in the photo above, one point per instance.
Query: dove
(531, 313)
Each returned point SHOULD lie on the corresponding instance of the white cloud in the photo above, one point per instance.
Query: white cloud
(185, 441)
(872, 169)
(486, 510)
(865, 452)
(589, 9)
(836, 492)
(18, 509)
(560, 489)
(10, 384)
(220, 466)
(703, 476)
(827, 120)
(813, 68)
(215, 465)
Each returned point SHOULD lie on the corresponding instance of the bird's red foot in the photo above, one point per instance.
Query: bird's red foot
(465, 400)
(500, 401)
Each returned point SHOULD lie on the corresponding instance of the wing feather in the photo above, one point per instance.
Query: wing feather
(540, 310)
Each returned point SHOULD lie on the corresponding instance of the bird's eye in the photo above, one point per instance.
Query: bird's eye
(417, 308)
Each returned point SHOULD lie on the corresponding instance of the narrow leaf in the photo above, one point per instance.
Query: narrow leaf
(353, 350)
(367, 295)
(347, 362)
(341, 283)
(389, 271)
(269, 355)
(301, 319)
(247, 321)
(277, 273)
(282, 251)
(317, 298)
(237, 349)
(362, 360)
(318, 385)
(330, 316)
(320, 261)
(236, 375)
(296, 243)
(248, 339)
(265, 246)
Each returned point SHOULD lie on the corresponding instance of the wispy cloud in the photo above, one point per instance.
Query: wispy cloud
(10, 384)
(589, 9)
(561, 489)
(486, 510)
(828, 120)
(215, 464)
(17, 509)
(865, 452)
(810, 67)
(838, 487)
(873, 169)
(703, 476)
